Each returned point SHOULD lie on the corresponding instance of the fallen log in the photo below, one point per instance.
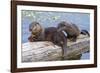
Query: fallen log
(47, 51)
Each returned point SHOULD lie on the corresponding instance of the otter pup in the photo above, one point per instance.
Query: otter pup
(36, 32)
(72, 30)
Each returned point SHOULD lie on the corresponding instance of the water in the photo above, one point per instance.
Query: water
(49, 19)
(85, 56)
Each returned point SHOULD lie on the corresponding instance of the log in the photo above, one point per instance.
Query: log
(47, 51)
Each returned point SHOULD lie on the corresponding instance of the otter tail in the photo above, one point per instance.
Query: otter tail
(85, 32)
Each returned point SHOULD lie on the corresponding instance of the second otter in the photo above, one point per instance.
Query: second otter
(71, 30)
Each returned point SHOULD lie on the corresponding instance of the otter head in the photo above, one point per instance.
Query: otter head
(35, 28)
(62, 24)
(65, 26)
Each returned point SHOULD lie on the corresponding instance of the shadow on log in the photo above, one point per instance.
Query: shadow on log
(47, 51)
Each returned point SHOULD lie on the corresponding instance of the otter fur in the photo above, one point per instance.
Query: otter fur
(71, 30)
(57, 37)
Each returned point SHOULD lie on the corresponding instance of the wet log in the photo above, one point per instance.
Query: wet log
(47, 51)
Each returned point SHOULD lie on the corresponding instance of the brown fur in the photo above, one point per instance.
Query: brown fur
(71, 29)
(57, 37)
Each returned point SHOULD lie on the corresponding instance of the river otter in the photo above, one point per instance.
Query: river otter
(72, 30)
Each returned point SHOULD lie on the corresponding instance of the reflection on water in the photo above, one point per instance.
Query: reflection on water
(48, 19)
